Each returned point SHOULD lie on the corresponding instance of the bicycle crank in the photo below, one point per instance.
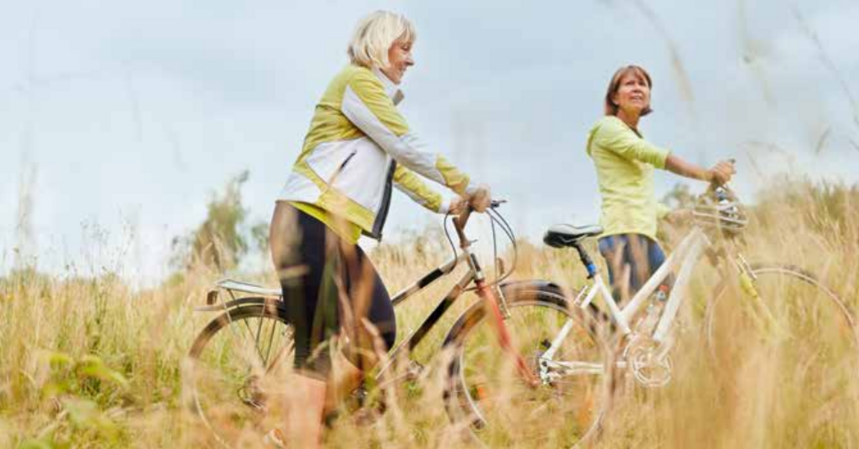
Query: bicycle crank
(252, 394)
(650, 366)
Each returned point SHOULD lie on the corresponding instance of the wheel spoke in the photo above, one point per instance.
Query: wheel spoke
(254, 339)
(795, 346)
(233, 360)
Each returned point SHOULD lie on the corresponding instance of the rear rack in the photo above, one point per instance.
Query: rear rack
(234, 287)
(246, 287)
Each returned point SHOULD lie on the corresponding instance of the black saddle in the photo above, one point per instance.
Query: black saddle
(561, 235)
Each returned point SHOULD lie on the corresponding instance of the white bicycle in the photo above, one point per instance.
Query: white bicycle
(776, 316)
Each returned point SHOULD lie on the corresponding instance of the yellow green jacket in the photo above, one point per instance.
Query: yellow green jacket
(624, 162)
(358, 146)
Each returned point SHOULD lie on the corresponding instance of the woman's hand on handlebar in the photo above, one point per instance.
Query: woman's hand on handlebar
(481, 199)
(479, 202)
(721, 173)
(457, 205)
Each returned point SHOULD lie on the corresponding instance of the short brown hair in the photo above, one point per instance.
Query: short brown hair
(614, 86)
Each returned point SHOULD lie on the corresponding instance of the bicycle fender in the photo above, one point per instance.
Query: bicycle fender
(532, 285)
(243, 302)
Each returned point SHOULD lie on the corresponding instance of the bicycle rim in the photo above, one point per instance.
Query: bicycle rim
(239, 364)
(796, 350)
(502, 410)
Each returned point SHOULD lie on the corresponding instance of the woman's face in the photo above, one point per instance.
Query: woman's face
(399, 59)
(633, 94)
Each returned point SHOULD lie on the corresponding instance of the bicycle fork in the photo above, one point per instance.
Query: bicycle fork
(497, 318)
(492, 307)
(761, 314)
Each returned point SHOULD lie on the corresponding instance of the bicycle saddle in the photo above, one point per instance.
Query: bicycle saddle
(561, 235)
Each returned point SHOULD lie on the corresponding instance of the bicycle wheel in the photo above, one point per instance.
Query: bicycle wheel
(570, 402)
(238, 366)
(792, 344)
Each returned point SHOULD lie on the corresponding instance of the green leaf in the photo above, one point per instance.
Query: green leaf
(92, 366)
(35, 444)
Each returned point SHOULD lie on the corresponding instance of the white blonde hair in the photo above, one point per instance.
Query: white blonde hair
(375, 34)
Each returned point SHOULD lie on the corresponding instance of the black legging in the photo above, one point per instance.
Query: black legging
(312, 298)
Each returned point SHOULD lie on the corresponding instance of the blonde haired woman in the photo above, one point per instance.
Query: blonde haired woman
(358, 147)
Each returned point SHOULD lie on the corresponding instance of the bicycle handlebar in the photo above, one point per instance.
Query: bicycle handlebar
(459, 223)
(461, 220)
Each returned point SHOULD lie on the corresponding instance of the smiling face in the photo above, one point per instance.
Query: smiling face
(399, 60)
(629, 88)
(633, 94)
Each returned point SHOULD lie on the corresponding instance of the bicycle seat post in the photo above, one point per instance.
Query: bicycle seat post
(586, 260)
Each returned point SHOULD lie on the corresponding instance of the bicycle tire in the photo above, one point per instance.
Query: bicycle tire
(559, 419)
(810, 346)
(232, 375)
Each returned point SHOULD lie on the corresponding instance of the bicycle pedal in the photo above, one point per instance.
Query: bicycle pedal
(414, 370)
(359, 395)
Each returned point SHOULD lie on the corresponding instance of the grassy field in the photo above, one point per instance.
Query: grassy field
(87, 362)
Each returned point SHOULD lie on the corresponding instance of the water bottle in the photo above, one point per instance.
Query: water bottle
(654, 310)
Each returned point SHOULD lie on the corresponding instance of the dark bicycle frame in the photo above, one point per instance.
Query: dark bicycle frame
(491, 294)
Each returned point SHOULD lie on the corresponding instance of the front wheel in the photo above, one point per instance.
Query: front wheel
(562, 345)
(791, 343)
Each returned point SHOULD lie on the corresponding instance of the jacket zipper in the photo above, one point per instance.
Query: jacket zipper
(382, 215)
(340, 169)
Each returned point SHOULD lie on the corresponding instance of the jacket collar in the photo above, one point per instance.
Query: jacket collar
(393, 91)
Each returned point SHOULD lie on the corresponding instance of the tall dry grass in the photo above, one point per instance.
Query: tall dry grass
(87, 362)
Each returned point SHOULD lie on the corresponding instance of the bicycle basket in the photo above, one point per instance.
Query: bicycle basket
(719, 208)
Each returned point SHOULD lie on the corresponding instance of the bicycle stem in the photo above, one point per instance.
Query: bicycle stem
(459, 223)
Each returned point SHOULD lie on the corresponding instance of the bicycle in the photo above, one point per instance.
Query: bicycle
(242, 352)
(778, 314)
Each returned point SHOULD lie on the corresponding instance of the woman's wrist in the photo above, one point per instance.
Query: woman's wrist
(678, 166)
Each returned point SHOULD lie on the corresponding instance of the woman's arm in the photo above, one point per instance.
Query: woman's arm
(619, 138)
(720, 173)
(368, 107)
(407, 182)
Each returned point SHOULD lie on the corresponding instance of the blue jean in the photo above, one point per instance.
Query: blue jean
(640, 253)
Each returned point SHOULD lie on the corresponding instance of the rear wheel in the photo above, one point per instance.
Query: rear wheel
(572, 398)
(791, 343)
(238, 365)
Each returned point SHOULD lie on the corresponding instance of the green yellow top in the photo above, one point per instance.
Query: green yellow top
(624, 162)
(346, 230)
(357, 149)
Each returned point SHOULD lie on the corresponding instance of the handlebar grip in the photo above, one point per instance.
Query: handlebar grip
(461, 220)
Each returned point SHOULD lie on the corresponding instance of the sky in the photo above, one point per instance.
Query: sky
(120, 119)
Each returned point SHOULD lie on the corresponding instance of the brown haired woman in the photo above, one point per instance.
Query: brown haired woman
(624, 162)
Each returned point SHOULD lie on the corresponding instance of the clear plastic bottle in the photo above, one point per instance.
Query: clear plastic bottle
(654, 310)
